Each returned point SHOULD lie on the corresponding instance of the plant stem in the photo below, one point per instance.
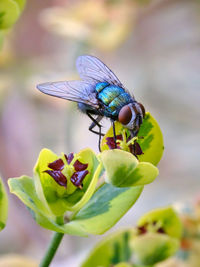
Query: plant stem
(51, 250)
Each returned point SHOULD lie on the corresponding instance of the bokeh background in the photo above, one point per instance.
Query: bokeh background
(154, 49)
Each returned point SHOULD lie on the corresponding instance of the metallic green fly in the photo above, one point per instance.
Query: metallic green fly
(100, 94)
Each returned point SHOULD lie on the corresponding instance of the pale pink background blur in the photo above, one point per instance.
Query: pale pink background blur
(153, 48)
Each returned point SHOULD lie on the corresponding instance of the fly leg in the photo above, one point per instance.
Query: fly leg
(136, 149)
(95, 122)
(114, 133)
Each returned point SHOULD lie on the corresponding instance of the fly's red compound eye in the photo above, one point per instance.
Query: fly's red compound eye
(125, 115)
(142, 108)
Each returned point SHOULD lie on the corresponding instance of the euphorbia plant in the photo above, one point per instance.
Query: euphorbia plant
(85, 193)
(155, 238)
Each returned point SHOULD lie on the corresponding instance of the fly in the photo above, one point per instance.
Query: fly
(99, 93)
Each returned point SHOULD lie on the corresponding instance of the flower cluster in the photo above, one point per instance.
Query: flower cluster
(155, 238)
(82, 193)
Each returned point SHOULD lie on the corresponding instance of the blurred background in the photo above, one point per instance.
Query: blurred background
(154, 49)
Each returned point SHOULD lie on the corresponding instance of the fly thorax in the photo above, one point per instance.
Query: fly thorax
(131, 116)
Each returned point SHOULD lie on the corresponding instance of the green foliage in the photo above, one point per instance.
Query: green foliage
(10, 11)
(102, 211)
(140, 246)
(152, 248)
(161, 240)
(113, 250)
(105, 208)
(111, 185)
(151, 141)
(124, 170)
(3, 206)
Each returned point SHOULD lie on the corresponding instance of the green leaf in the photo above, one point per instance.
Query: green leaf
(152, 143)
(105, 208)
(10, 12)
(24, 188)
(101, 212)
(151, 248)
(124, 170)
(150, 139)
(97, 216)
(21, 4)
(167, 219)
(112, 250)
(3, 205)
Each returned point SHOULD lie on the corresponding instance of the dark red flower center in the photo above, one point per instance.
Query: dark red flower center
(77, 177)
(135, 148)
(144, 229)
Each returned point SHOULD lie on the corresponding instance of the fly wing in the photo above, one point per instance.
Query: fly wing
(92, 69)
(77, 91)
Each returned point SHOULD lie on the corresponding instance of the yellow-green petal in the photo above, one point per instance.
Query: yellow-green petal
(21, 4)
(10, 12)
(3, 206)
(151, 248)
(24, 188)
(112, 250)
(124, 170)
(55, 195)
(152, 144)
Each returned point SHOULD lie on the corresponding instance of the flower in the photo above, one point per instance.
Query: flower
(67, 193)
(158, 234)
(66, 180)
(64, 194)
(147, 146)
(60, 184)
(156, 238)
(60, 169)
